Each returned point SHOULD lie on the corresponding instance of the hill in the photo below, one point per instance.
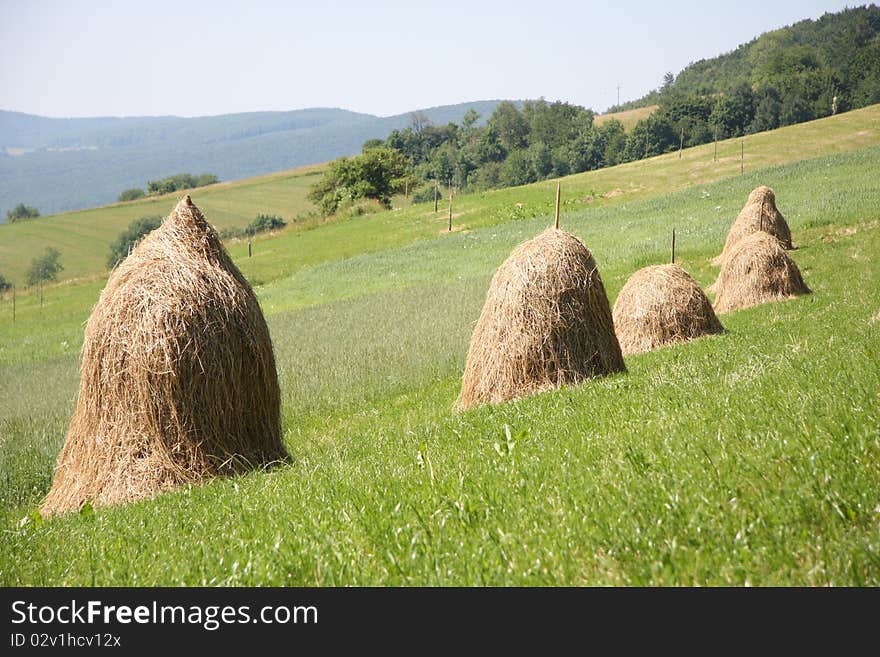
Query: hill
(807, 63)
(747, 458)
(65, 164)
(84, 237)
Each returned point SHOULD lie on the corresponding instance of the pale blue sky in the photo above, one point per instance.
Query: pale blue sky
(124, 58)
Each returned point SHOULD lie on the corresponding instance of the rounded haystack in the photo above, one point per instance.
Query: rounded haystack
(546, 323)
(758, 214)
(661, 305)
(757, 270)
(178, 375)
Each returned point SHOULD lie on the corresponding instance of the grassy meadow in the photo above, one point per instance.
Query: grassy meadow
(83, 237)
(749, 458)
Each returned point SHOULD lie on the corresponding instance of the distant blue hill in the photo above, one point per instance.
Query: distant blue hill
(66, 164)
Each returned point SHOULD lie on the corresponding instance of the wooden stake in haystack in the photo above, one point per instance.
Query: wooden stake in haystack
(558, 198)
(546, 323)
(178, 374)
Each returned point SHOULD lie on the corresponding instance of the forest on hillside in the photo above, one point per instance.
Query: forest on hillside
(809, 70)
(795, 71)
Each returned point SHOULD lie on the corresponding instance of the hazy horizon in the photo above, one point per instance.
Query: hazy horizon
(103, 59)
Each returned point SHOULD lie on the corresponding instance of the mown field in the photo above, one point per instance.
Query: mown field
(627, 117)
(748, 458)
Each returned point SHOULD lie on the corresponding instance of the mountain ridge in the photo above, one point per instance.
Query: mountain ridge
(58, 164)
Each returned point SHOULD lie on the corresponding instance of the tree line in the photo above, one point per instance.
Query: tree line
(794, 72)
(799, 73)
(518, 144)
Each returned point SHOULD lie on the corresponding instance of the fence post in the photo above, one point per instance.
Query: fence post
(450, 208)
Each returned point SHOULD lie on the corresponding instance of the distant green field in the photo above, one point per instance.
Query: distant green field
(84, 237)
(751, 457)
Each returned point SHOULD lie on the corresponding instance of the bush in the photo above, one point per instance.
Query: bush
(376, 174)
(179, 181)
(261, 224)
(129, 238)
(21, 211)
(131, 195)
(425, 195)
(45, 267)
(265, 222)
(4, 284)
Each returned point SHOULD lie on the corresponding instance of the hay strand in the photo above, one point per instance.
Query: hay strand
(661, 305)
(546, 323)
(178, 374)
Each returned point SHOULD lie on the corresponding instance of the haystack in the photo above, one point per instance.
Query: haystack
(178, 375)
(757, 270)
(661, 305)
(759, 214)
(546, 323)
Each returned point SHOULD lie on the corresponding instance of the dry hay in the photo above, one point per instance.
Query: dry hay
(758, 214)
(661, 305)
(546, 323)
(178, 375)
(757, 270)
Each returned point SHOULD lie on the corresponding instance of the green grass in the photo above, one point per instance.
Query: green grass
(84, 237)
(751, 457)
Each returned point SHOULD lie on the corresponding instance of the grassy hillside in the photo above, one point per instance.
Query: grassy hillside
(84, 237)
(746, 458)
(88, 234)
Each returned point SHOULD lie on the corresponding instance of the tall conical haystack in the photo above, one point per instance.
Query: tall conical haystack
(757, 270)
(758, 214)
(661, 305)
(546, 323)
(178, 374)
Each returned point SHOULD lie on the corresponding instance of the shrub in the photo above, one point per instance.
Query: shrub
(265, 222)
(129, 238)
(261, 224)
(179, 181)
(131, 194)
(21, 211)
(424, 195)
(45, 267)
